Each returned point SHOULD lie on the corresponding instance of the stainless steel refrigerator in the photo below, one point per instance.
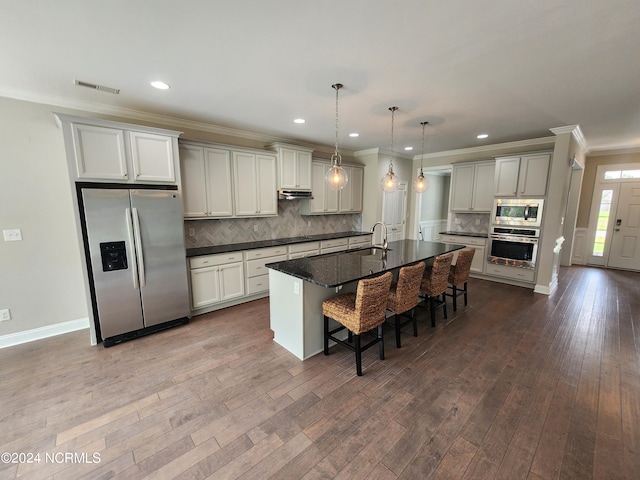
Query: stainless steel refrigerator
(134, 242)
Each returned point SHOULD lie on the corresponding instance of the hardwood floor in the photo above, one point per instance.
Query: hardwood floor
(515, 386)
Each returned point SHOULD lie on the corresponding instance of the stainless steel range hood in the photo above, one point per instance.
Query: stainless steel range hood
(284, 194)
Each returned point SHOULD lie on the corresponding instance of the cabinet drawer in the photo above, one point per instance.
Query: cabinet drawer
(359, 242)
(220, 259)
(266, 252)
(308, 253)
(258, 284)
(462, 240)
(304, 247)
(257, 267)
(338, 242)
(510, 272)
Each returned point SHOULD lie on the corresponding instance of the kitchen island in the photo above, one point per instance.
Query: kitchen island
(298, 287)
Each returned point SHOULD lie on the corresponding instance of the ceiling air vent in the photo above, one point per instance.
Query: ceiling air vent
(102, 88)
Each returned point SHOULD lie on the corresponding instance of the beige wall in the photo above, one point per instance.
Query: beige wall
(589, 180)
(40, 276)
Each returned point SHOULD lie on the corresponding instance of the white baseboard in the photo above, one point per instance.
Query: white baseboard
(547, 289)
(43, 332)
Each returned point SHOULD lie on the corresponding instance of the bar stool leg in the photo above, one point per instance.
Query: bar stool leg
(381, 340)
(326, 335)
(465, 294)
(358, 355)
(455, 298)
(415, 322)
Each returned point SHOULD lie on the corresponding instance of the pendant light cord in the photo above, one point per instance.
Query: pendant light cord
(424, 124)
(393, 111)
(336, 157)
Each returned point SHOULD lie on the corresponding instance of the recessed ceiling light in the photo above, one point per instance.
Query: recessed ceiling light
(483, 135)
(160, 85)
(354, 134)
(408, 148)
(299, 120)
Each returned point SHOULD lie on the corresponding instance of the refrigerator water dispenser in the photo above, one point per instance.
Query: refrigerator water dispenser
(114, 256)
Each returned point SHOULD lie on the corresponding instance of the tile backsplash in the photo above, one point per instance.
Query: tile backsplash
(288, 223)
(469, 222)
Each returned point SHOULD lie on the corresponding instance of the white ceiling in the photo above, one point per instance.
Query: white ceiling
(512, 69)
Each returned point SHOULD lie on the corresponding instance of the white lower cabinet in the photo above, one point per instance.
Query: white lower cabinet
(359, 242)
(332, 246)
(257, 273)
(216, 278)
(301, 250)
(514, 273)
(480, 244)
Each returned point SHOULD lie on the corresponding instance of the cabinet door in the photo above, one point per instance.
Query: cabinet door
(357, 182)
(194, 193)
(534, 171)
(218, 179)
(462, 187)
(506, 177)
(100, 153)
(205, 286)
(483, 187)
(231, 281)
(267, 186)
(324, 199)
(304, 170)
(152, 157)
(245, 181)
(288, 168)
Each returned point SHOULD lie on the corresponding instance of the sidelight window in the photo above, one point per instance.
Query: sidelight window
(603, 221)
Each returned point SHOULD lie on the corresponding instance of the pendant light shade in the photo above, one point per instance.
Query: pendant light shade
(336, 177)
(390, 182)
(421, 183)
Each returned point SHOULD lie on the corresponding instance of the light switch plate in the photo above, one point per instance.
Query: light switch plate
(5, 314)
(12, 235)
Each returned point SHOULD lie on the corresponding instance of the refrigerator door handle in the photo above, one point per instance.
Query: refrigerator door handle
(133, 263)
(138, 238)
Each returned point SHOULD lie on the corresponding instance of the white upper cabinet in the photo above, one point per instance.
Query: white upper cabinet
(351, 194)
(294, 167)
(327, 201)
(206, 180)
(522, 176)
(152, 157)
(324, 199)
(254, 181)
(104, 151)
(472, 187)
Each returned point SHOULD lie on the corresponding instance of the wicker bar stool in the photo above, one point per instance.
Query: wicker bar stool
(404, 296)
(434, 284)
(358, 312)
(459, 274)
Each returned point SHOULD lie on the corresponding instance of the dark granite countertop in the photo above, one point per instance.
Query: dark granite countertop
(466, 234)
(197, 251)
(334, 269)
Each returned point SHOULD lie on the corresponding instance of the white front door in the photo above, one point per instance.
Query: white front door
(625, 240)
(394, 212)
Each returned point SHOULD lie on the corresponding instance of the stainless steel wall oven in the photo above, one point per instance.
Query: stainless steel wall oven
(515, 247)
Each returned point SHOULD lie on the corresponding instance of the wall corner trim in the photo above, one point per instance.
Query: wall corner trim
(43, 332)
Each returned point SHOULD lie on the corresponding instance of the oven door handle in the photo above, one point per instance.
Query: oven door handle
(508, 238)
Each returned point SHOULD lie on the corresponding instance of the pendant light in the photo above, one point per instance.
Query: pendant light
(336, 177)
(389, 182)
(421, 183)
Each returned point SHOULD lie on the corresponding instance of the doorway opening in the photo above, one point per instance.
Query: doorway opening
(614, 225)
(432, 206)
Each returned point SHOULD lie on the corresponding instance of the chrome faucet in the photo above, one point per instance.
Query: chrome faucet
(384, 231)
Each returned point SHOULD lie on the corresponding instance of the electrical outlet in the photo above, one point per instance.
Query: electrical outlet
(192, 232)
(5, 314)
(255, 228)
(296, 288)
(477, 221)
(12, 235)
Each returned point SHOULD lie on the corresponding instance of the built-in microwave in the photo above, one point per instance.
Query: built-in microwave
(517, 212)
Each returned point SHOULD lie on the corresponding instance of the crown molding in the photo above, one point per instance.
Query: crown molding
(493, 149)
(614, 151)
(576, 132)
(168, 120)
